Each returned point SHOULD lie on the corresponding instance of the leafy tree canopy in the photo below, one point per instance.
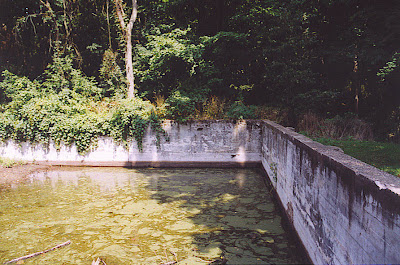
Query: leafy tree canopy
(329, 56)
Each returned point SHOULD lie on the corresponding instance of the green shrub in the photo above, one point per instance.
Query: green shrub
(42, 119)
(214, 108)
(17, 89)
(61, 75)
(179, 107)
(240, 111)
(129, 120)
(65, 107)
(166, 58)
(113, 80)
(83, 130)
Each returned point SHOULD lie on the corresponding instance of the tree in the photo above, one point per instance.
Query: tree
(127, 34)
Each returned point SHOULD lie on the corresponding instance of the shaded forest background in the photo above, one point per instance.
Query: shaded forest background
(301, 62)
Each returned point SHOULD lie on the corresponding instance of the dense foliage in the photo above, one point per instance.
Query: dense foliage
(212, 58)
(65, 106)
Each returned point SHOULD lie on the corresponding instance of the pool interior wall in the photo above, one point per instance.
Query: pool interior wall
(343, 210)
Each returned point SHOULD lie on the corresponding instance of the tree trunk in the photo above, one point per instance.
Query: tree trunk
(127, 33)
(129, 66)
(53, 17)
(108, 27)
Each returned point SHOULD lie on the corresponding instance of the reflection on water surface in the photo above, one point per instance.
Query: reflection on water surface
(144, 216)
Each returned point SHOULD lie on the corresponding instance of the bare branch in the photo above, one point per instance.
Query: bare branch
(120, 13)
(127, 33)
(53, 16)
(67, 30)
(133, 15)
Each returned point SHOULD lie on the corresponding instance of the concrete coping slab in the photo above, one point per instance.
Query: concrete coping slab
(335, 156)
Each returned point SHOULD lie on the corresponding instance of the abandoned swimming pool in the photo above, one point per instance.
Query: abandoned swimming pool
(145, 216)
(343, 210)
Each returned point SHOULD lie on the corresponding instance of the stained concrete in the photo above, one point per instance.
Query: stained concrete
(200, 143)
(343, 210)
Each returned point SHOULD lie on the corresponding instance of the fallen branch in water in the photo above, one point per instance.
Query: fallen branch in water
(38, 253)
(169, 263)
(176, 256)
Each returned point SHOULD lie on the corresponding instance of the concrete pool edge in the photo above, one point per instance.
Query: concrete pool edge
(343, 210)
(199, 142)
(157, 164)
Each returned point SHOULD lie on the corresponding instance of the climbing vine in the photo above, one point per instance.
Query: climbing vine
(129, 119)
(71, 111)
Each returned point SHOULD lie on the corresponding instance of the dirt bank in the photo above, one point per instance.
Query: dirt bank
(18, 173)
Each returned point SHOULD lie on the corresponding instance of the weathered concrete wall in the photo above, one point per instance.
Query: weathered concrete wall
(344, 211)
(200, 143)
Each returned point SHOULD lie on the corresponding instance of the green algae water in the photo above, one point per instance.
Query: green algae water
(144, 216)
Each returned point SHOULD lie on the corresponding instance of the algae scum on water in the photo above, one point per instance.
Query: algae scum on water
(144, 216)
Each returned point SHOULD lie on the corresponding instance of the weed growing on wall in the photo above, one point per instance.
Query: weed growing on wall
(240, 111)
(129, 119)
(214, 108)
(274, 168)
(70, 111)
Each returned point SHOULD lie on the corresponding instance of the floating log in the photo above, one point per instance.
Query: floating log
(39, 253)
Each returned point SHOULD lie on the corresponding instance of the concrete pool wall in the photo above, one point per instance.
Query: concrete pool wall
(195, 143)
(343, 210)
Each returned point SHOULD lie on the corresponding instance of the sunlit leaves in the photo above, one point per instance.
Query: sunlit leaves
(59, 108)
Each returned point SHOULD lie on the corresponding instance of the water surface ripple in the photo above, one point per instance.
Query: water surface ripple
(144, 216)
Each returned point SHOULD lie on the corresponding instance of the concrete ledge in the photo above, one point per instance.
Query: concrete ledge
(345, 211)
(161, 164)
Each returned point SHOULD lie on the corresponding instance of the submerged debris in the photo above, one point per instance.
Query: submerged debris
(38, 253)
(99, 261)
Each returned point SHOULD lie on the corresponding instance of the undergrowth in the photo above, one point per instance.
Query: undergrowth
(63, 106)
(354, 137)
(70, 110)
(182, 108)
(338, 127)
